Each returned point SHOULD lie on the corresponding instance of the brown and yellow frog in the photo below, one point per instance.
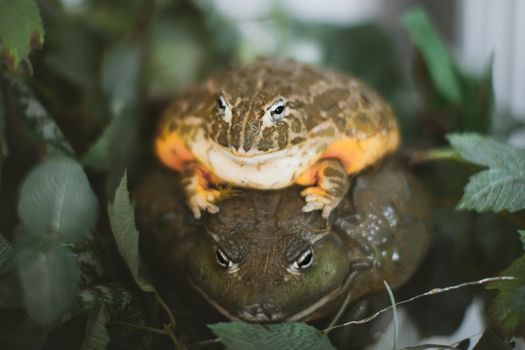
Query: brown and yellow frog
(272, 124)
(262, 259)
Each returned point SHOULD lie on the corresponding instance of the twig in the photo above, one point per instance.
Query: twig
(423, 156)
(143, 328)
(430, 292)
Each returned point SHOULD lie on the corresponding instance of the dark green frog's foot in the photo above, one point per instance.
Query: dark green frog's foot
(331, 187)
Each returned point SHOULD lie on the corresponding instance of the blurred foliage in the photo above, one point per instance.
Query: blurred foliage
(20, 29)
(77, 121)
(507, 311)
(457, 101)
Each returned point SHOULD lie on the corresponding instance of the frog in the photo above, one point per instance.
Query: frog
(262, 259)
(272, 124)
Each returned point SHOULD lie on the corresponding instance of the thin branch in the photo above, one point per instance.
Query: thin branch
(430, 292)
(433, 154)
(143, 328)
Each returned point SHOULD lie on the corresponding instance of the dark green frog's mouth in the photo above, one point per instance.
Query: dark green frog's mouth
(260, 313)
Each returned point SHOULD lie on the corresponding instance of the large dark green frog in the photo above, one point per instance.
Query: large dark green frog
(262, 259)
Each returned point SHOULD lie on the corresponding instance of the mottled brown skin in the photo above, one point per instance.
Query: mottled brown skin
(379, 232)
(330, 125)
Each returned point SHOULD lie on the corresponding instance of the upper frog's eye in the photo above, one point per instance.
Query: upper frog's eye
(277, 110)
(304, 261)
(223, 259)
(222, 106)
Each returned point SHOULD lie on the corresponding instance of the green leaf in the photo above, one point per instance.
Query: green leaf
(49, 277)
(122, 219)
(502, 187)
(20, 29)
(522, 237)
(37, 119)
(291, 335)
(507, 309)
(96, 335)
(477, 101)
(56, 198)
(438, 61)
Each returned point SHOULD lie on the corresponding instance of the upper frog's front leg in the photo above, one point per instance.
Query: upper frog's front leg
(196, 180)
(331, 182)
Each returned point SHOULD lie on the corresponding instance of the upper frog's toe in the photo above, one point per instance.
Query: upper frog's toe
(200, 202)
(318, 199)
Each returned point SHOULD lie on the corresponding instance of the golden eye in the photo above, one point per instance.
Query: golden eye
(277, 110)
(222, 106)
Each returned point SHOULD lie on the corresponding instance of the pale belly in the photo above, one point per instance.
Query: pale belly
(267, 171)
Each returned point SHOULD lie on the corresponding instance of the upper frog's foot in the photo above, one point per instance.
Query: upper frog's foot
(200, 197)
(331, 187)
(203, 200)
(318, 199)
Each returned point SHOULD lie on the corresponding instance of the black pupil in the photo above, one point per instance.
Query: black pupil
(306, 260)
(220, 104)
(221, 258)
(279, 110)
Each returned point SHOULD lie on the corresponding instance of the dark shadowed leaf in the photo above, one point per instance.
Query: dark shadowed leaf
(3, 141)
(437, 59)
(522, 237)
(122, 218)
(5, 249)
(96, 336)
(507, 310)
(56, 198)
(20, 29)
(291, 335)
(49, 277)
(36, 117)
(502, 186)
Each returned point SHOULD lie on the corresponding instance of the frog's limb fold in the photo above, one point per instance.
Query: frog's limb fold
(331, 181)
(196, 180)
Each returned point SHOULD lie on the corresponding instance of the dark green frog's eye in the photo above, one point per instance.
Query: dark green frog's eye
(222, 259)
(304, 261)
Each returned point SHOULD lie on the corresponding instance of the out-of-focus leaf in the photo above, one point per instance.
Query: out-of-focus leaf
(367, 52)
(119, 145)
(49, 277)
(522, 237)
(120, 76)
(291, 335)
(10, 290)
(56, 198)
(507, 309)
(96, 336)
(477, 101)
(502, 187)
(20, 29)
(438, 61)
(37, 118)
(122, 218)
(175, 58)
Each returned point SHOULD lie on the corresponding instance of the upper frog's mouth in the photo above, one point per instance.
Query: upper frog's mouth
(250, 154)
